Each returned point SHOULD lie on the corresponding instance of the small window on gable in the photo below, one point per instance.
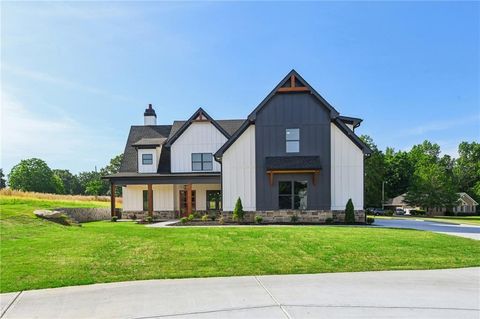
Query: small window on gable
(147, 159)
(292, 136)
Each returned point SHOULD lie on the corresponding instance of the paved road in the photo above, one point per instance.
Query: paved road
(444, 228)
(451, 293)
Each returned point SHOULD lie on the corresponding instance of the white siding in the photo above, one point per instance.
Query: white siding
(162, 197)
(347, 171)
(156, 157)
(238, 172)
(199, 137)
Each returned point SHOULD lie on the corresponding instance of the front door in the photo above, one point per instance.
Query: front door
(183, 202)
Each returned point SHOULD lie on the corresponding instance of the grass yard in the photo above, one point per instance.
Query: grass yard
(467, 220)
(38, 254)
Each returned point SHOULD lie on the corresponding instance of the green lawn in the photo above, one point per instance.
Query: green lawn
(468, 220)
(37, 254)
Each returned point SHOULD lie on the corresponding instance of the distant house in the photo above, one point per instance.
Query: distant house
(466, 204)
(293, 154)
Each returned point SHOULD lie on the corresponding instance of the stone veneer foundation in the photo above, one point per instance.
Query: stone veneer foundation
(277, 216)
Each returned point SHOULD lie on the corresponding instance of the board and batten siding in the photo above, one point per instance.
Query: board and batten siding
(199, 137)
(238, 172)
(347, 171)
(152, 168)
(132, 197)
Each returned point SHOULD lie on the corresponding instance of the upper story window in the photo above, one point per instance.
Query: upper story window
(202, 161)
(147, 159)
(292, 136)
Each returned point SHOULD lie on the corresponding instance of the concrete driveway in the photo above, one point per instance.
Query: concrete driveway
(451, 293)
(467, 231)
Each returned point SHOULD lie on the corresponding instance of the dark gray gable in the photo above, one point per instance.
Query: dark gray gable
(285, 87)
(199, 112)
(137, 133)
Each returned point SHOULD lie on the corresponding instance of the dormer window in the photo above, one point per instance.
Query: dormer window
(147, 159)
(202, 161)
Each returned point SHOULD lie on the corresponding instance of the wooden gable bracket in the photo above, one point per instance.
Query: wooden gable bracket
(292, 87)
(314, 173)
(201, 117)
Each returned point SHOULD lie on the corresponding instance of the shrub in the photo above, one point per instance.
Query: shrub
(196, 214)
(114, 218)
(329, 220)
(238, 213)
(213, 217)
(389, 213)
(294, 218)
(190, 217)
(415, 212)
(183, 220)
(258, 219)
(221, 220)
(370, 220)
(149, 219)
(447, 213)
(205, 218)
(349, 213)
(134, 217)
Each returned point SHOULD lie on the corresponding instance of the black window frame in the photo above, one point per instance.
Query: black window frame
(203, 162)
(292, 140)
(144, 159)
(291, 195)
(145, 200)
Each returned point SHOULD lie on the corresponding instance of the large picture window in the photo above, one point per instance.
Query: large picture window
(202, 161)
(292, 195)
(292, 137)
(147, 159)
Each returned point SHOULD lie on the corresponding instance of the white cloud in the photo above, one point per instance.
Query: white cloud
(431, 126)
(45, 77)
(60, 140)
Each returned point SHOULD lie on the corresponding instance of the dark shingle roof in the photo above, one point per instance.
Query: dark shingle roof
(129, 162)
(292, 162)
(150, 141)
(231, 126)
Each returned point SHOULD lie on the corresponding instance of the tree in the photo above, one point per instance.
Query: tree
(3, 183)
(349, 213)
(431, 187)
(112, 168)
(70, 182)
(87, 178)
(238, 213)
(398, 172)
(466, 169)
(374, 174)
(94, 187)
(33, 175)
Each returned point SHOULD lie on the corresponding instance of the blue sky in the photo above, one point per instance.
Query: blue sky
(75, 76)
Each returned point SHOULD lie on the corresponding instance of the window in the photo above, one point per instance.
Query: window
(214, 200)
(147, 159)
(202, 161)
(292, 136)
(145, 200)
(292, 195)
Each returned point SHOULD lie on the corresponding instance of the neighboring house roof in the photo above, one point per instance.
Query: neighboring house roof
(180, 128)
(399, 200)
(137, 133)
(292, 162)
(299, 83)
(150, 142)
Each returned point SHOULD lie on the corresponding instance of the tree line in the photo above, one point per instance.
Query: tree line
(428, 179)
(34, 175)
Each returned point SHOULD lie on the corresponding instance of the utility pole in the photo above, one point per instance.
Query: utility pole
(383, 195)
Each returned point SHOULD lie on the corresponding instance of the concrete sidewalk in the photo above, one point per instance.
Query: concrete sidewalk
(394, 294)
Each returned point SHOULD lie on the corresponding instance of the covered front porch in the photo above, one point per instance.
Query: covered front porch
(168, 196)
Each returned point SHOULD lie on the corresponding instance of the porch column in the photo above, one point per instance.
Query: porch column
(150, 200)
(189, 199)
(112, 199)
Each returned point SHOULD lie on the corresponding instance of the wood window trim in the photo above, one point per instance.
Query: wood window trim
(314, 172)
